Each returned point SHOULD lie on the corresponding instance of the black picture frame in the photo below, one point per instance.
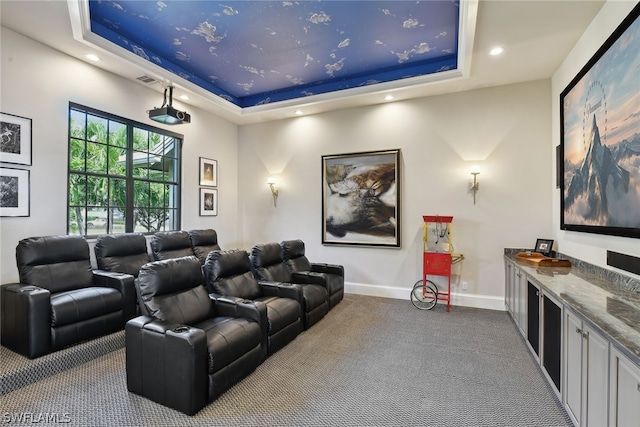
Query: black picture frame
(208, 202)
(354, 182)
(15, 139)
(15, 187)
(600, 175)
(208, 172)
(544, 246)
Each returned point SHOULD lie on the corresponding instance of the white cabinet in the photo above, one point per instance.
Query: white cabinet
(509, 283)
(624, 396)
(516, 295)
(586, 368)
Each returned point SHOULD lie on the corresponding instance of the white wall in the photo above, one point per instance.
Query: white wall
(38, 82)
(505, 130)
(591, 248)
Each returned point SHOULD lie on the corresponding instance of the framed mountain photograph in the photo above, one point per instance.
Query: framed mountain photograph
(600, 139)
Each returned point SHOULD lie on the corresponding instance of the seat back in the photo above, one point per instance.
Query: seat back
(56, 263)
(293, 255)
(171, 244)
(203, 242)
(173, 290)
(124, 253)
(267, 263)
(229, 273)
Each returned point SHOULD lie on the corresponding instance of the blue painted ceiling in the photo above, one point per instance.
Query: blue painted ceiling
(258, 52)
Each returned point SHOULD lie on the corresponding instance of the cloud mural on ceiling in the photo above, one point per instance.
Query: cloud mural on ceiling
(255, 52)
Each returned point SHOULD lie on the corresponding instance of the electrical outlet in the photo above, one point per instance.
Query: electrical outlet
(465, 286)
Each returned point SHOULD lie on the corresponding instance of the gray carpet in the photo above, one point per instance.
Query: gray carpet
(370, 362)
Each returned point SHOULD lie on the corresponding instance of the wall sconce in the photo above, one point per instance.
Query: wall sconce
(474, 187)
(274, 191)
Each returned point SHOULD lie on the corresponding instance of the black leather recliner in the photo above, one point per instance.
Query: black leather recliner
(268, 266)
(295, 259)
(60, 300)
(170, 244)
(203, 242)
(186, 349)
(123, 253)
(228, 273)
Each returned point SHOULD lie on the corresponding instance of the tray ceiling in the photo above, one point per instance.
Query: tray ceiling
(252, 53)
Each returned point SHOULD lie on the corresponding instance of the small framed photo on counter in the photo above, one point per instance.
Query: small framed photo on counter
(544, 246)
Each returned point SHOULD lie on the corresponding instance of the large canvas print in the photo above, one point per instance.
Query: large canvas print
(361, 199)
(600, 138)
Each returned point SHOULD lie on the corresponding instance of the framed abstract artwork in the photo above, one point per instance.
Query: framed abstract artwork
(600, 139)
(15, 139)
(14, 192)
(361, 198)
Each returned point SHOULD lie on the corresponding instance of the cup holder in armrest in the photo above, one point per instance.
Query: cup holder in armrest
(246, 301)
(29, 289)
(180, 329)
(285, 284)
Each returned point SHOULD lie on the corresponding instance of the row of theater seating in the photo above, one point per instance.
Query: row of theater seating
(61, 300)
(203, 322)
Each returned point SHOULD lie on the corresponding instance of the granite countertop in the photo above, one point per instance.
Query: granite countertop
(611, 309)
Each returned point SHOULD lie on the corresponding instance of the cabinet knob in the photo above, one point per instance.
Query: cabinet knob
(579, 331)
(585, 335)
(638, 387)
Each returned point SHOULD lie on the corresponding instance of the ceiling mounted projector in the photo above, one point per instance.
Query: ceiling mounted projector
(167, 114)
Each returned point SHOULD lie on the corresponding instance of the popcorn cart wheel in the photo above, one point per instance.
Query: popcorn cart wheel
(424, 296)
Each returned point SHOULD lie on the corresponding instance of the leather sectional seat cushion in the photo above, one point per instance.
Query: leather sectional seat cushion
(73, 306)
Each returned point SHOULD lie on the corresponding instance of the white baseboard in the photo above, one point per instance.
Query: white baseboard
(459, 299)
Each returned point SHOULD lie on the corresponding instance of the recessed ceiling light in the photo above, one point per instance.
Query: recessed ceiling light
(388, 98)
(184, 97)
(496, 51)
(92, 57)
(298, 113)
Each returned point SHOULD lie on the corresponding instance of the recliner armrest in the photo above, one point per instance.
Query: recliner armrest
(327, 268)
(26, 319)
(167, 363)
(309, 278)
(125, 283)
(240, 307)
(282, 290)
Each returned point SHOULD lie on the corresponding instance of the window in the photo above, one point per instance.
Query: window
(124, 176)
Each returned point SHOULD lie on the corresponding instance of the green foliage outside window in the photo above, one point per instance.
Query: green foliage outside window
(123, 176)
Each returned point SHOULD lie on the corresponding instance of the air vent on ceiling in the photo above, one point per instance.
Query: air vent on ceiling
(147, 80)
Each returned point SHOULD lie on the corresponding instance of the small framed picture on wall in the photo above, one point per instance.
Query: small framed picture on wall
(208, 172)
(14, 192)
(208, 202)
(15, 146)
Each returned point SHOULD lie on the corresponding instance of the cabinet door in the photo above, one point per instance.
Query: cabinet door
(624, 406)
(552, 339)
(597, 379)
(521, 283)
(508, 285)
(573, 366)
(533, 317)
